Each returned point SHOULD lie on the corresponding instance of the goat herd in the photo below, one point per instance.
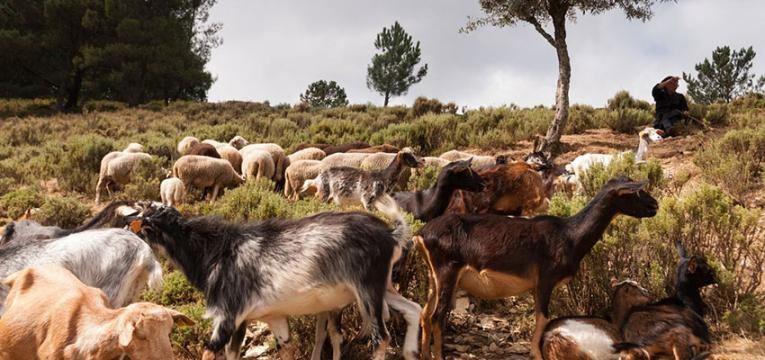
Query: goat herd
(69, 293)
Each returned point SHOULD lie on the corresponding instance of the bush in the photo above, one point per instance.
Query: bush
(16, 202)
(597, 175)
(144, 181)
(424, 178)
(423, 105)
(623, 100)
(256, 200)
(65, 212)
(580, 118)
(80, 162)
(734, 162)
(103, 105)
(627, 120)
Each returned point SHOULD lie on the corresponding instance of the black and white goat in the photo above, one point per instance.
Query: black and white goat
(114, 260)
(276, 268)
(348, 185)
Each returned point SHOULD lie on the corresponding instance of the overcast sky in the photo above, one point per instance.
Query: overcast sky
(272, 49)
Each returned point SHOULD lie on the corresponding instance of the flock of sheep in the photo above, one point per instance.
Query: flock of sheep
(474, 240)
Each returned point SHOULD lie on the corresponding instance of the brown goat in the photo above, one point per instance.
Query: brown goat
(385, 148)
(203, 149)
(511, 189)
(493, 257)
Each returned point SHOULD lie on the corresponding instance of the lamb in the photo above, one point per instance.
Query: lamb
(172, 191)
(307, 154)
(296, 175)
(201, 172)
(114, 260)
(494, 256)
(269, 270)
(117, 168)
(258, 164)
(277, 154)
(238, 142)
(203, 149)
(346, 185)
(186, 143)
(480, 162)
(582, 163)
(50, 314)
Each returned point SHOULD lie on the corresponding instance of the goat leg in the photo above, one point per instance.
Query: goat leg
(541, 312)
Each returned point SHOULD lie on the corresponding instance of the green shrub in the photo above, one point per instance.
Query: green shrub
(734, 162)
(27, 107)
(16, 202)
(623, 100)
(580, 118)
(256, 200)
(424, 178)
(597, 175)
(65, 212)
(103, 105)
(717, 114)
(144, 180)
(628, 120)
(423, 105)
(80, 162)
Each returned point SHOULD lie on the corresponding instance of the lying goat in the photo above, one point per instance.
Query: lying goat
(50, 314)
(270, 270)
(114, 260)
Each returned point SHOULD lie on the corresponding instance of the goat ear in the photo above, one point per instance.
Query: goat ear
(126, 333)
(692, 265)
(136, 225)
(632, 187)
(179, 318)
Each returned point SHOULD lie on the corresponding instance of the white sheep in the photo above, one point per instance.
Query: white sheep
(134, 148)
(227, 152)
(203, 171)
(345, 159)
(172, 191)
(186, 143)
(238, 142)
(583, 163)
(277, 154)
(310, 153)
(479, 162)
(116, 167)
(258, 164)
(297, 173)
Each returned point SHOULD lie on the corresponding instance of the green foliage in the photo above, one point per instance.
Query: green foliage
(724, 78)
(322, 94)
(734, 162)
(16, 202)
(580, 118)
(623, 100)
(423, 105)
(65, 212)
(392, 71)
(423, 178)
(79, 161)
(623, 164)
(145, 180)
(627, 120)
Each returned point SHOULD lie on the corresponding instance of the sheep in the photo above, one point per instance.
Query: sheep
(238, 142)
(307, 154)
(172, 191)
(276, 268)
(227, 152)
(431, 203)
(296, 175)
(511, 189)
(493, 256)
(186, 143)
(344, 159)
(50, 314)
(117, 168)
(437, 161)
(114, 260)
(308, 145)
(346, 185)
(582, 163)
(384, 148)
(277, 154)
(673, 327)
(201, 172)
(203, 149)
(591, 337)
(380, 160)
(111, 216)
(480, 162)
(332, 149)
(134, 148)
(258, 164)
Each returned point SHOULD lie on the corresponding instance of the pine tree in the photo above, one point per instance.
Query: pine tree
(724, 78)
(322, 94)
(392, 71)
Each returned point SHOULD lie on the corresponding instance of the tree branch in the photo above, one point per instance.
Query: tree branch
(541, 30)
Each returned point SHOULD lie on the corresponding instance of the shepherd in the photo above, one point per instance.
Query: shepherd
(671, 106)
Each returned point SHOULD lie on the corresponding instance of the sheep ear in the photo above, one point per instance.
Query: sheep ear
(692, 265)
(179, 318)
(632, 187)
(126, 333)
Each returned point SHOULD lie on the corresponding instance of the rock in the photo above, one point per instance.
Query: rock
(461, 306)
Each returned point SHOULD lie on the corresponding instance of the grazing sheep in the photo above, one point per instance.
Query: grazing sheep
(258, 164)
(203, 149)
(117, 168)
(114, 260)
(201, 172)
(50, 314)
(385, 148)
(480, 162)
(228, 153)
(296, 175)
(172, 191)
(333, 149)
(307, 154)
(133, 148)
(238, 142)
(308, 145)
(344, 159)
(379, 161)
(277, 154)
(186, 143)
(269, 270)
(437, 161)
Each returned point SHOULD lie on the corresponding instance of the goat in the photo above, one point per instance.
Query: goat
(50, 314)
(430, 203)
(114, 260)
(347, 185)
(591, 337)
(582, 163)
(511, 189)
(673, 327)
(110, 216)
(493, 257)
(269, 270)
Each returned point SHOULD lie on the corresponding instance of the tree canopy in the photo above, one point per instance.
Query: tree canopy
(127, 50)
(725, 77)
(323, 94)
(392, 71)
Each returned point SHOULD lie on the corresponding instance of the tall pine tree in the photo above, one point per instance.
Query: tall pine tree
(323, 94)
(392, 71)
(724, 78)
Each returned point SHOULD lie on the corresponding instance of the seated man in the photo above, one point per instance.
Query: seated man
(671, 106)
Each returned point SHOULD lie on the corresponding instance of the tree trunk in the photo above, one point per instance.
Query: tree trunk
(387, 97)
(551, 141)
(73, 90)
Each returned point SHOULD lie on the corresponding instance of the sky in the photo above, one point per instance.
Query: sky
(272, 49)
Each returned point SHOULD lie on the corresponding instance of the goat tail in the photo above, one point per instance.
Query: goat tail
(401, 232)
